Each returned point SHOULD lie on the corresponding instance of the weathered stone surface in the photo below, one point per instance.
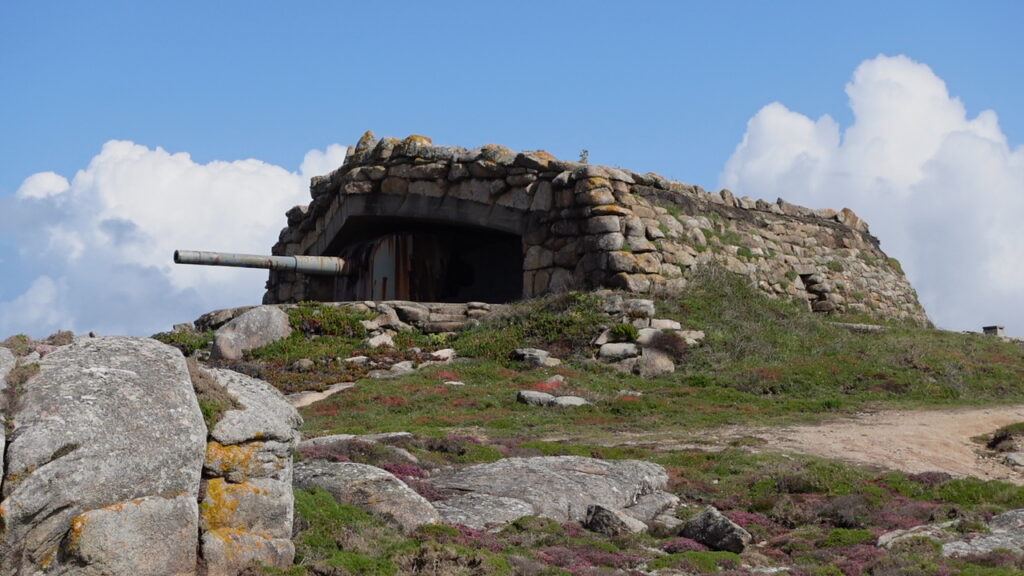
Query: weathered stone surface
(266, 414)
(228, 552)
(931, 532)
(614, 351)
(149, 536)
(482, 511)
(256, 459)
(1006, 533)
(257, 327)
(81, 426)
(7, 362)
(307, 397)
(717, 532)
(534, 398)
(375, 490)
(380, 341)
(654, 363)
(217, 318)
(638, 308)
(611, 522)
(663, 324)
(261, 506)
(559, 487)
(535, 357)
(568, 401)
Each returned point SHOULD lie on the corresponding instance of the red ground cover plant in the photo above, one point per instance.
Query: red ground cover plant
(680, 545)
(392, 401)
(545, 386)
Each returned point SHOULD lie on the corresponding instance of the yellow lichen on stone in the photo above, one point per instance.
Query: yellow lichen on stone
(594, 183)
(233, 458)
(417, 139)
(611, 210)
(75, 532)
(218, 508)
(217, 511)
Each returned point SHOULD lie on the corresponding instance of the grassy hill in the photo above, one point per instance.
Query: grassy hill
(764, 362)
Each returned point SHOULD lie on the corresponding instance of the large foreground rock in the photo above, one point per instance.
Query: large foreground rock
(252, 329)
(375, 490)
(557, 487)
(247, 510)
(7, 362)
(103, 465)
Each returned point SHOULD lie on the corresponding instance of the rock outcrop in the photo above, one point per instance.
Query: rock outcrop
(249, 330)
(109, 468)
(377, 491)
(104, 463)
(562, 488)
(247, 510)
(715, 531)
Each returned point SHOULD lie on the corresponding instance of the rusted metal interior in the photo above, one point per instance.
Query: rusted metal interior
(415, 260)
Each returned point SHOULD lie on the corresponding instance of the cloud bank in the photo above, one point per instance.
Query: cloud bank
(943, 191)
(100, 246)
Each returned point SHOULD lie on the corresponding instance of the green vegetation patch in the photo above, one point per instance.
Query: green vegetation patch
(188, 341)
(214, 399)
(563, 324)
(19, 344)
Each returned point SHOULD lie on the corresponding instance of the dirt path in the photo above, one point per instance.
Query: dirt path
(911, 440)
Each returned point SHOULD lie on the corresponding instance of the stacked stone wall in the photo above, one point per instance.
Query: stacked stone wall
(586, 226)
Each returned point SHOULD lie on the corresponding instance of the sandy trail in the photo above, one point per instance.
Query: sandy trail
(908, 440)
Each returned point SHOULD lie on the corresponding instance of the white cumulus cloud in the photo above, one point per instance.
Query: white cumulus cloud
(942, 190)
(100, 246)
(43, 185)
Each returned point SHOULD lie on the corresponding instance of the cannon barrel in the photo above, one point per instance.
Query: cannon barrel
(324, 265)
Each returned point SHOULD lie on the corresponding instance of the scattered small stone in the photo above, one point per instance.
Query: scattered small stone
(568, 401)
(712, 529)
(303, 365)
(380, 340)
(535, 357)
(692, 337)
(664, 324)
(1015, 459)
(614, 351)
(654, 363)
(443, 355)
(534, 398)
(611, 522)
(454, 383)
(357, 360)
(300, 399)
(638, 308)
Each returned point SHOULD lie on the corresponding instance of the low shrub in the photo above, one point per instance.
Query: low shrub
(188, 341)
(316, 319)
(214, 399)
(623, 332)
(21, 374)
(19, 344)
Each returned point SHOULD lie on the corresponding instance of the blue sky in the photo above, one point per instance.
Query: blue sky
(669, 87)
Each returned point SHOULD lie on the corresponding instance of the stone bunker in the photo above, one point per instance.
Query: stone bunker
(431, 223)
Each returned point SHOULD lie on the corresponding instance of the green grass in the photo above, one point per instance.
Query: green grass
(188, 341)
(765, 362)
